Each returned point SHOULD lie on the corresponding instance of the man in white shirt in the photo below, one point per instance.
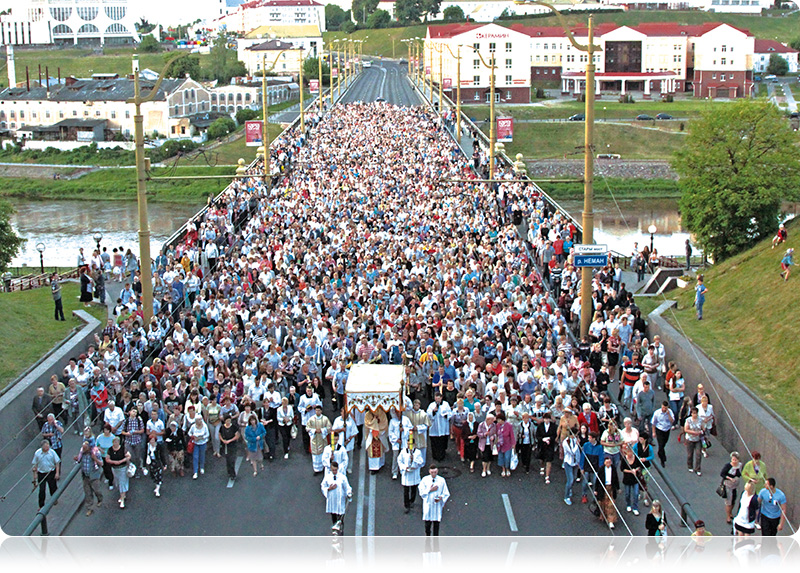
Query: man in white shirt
(434, 493)
(114, 417)
(337, 491)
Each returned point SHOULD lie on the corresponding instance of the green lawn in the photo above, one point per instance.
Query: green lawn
(749, 323)
(28, 330)
(554, 140)
(82, 63)
(120, 184)
(785, 29)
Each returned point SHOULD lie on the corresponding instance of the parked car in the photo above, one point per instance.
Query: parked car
(794, 114)
(644, 117)
(367, 64)
(577, 117)
(664, 116)
(756, 78)
(771, 78)
(608, 156)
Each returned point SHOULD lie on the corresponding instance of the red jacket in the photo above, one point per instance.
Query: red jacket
(592, 422)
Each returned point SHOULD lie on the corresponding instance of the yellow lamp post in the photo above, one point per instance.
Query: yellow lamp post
(588, 165)
(458, 87)
(263, 150)
(492, 135)
(320, 55)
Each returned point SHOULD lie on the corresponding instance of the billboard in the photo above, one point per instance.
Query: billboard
(253, 133)
(334, 72)
(447, 83)
(313, 86)
(427, 70)
(505, 129)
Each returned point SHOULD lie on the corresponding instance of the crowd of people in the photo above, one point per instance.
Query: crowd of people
(377, 244)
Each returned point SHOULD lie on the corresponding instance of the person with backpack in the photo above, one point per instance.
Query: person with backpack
(91, 462)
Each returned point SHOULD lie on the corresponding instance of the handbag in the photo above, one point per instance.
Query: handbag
(722, 491)
(190, 446)
(131, 471)
(293, 431)
(514, 460)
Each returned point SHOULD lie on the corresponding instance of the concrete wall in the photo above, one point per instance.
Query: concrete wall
(15, 403)
(70, 145)
(760, 426)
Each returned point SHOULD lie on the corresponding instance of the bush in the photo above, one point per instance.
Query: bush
(245, 114)
(379, 19)
(149, 45)
(221, 127)
(348, 27)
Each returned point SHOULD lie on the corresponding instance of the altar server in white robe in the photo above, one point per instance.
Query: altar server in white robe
(337, 491)
(346, 431)
(434, 493)
(395, 434)
(335, 452)
(409, 461)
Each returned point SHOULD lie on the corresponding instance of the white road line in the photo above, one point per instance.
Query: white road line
(512, 523)
(362, 478)
(238, 465)
(383, 81)
(371, 510)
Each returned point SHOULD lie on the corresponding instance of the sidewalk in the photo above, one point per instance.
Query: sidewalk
(19, 503)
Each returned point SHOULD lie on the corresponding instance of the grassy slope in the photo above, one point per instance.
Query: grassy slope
(28, 330)
(119, 184)
(553, 140)
(785, 29)
(603, 109)
(749, 323)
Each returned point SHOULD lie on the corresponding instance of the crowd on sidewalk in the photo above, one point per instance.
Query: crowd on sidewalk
(371, 248)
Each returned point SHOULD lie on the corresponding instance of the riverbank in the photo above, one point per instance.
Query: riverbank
(616, 187)
(120, 185)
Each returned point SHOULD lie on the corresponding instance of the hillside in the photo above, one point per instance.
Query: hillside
(750, 322)
(785, 29)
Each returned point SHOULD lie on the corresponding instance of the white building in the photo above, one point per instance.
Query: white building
(277, 56)
(251, 15)
(302, 36)
(718, 6)
(81, 22)
(764, 50)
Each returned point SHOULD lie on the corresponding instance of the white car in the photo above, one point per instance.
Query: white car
(367, 64)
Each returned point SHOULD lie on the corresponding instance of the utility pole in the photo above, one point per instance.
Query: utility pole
(302, 106)
(320, 99)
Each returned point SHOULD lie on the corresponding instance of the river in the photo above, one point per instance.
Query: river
(65, 226)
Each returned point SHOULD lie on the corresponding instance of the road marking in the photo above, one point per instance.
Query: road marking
(231, 481)
(383, 81)
(371, 510)
(362, 478)
(512, 523)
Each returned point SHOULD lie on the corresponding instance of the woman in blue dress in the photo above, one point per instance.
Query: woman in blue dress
(700, 291)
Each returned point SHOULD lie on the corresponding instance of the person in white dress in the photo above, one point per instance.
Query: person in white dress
(434, 493)
(337, 492)
(335, 452)
(409, 461)
(346, 431)
(395, 432)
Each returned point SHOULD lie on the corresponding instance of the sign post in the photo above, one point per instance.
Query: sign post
(590, 255)
(447, 83)
(313, 86)
(253, 133)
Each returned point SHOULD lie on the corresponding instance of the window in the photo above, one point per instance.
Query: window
(86, 113)
(22, 114)
(723, 61)
(722, 77)
(60, 115)
(545, 46)
(74, 113)
(13, 114)
(508, 46)
(508, 63)
(724, 49)
(476, 98)
(713, 76)
(509, 80)
(476, 64)
(47, 115)
(173, 130)
(127, 114)
(545, 58)
(113, 115)
(247, 98)
(476, 81)
(476, 46)
(97, 113)
(492, 47)
(34, 114)
(183, 130)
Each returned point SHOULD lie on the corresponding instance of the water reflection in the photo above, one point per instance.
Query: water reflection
(65, 226)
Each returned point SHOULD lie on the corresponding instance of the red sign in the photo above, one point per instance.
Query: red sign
(313, 86)
(447, 83)
(427, 70)
(505, 129)
(334, 72)
(253, 134)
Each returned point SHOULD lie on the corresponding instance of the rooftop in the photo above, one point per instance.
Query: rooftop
(90, 90)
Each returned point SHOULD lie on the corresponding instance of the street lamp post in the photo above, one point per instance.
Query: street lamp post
(492, 135)
(458, 88)
(302, 106)
(40, 248)
(652, 230)
(263, 150)
(320, 99)
(98, 236)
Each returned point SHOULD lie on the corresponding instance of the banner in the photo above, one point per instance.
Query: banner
(252, 134)
(505, 129)
(334, 72)
(447, 83)
(427, 70)
(313, 86)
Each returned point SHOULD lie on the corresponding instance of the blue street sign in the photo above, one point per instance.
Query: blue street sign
(590, 260)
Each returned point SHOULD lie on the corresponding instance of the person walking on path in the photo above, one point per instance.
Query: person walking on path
(337, 491)
(731, 474)
(434, 493)
(409, 462)
(786, 264)
(662, 422)
(200, 435)
(91, 464)
(688, 255)
(46, 470)
(700, 292)
(228, 437)
(119, 458)
(773, 509)
(87, 287)
(55, 289)
(693, 428)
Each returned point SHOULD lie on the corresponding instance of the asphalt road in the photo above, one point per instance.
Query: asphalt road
(384, 79)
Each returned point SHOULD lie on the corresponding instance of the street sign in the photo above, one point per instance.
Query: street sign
(590, 260)
(313, 86)
(447, 83)
(590, 249)
(427, 70)
(334, 72)
(252, 134)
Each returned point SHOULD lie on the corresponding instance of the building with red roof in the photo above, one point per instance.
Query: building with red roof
(764, 50)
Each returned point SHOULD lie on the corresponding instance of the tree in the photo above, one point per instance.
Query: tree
(362, 9)
(311, 70)
(149, 44)
(379, 19)
(335, 17)
(246, 114)
(795, 44)
(431, 7)
(349, 27)
(777, 65)
(188, 64)
(10, 242)
(144, 27)
(408, 11)
(738, 162)
(453, 14)
(220, 128)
